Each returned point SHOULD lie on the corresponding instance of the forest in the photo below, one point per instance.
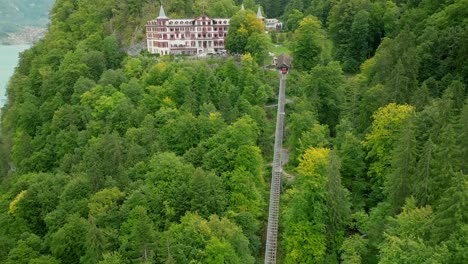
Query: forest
(114, 159)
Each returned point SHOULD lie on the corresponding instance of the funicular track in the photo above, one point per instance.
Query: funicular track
(277, 171)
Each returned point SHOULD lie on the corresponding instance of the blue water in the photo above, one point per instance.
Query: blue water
(8, 61)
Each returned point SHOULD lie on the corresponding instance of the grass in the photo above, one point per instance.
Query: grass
(279, 49)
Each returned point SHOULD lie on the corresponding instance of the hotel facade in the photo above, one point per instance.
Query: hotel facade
(186, 36)
(201, 35)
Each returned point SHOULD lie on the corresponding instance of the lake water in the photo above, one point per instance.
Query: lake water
(8, 61)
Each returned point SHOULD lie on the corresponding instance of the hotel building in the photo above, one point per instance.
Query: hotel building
(186, 36)
(201, 35)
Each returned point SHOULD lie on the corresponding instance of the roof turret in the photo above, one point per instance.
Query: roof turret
(162, 14)
(259, 13)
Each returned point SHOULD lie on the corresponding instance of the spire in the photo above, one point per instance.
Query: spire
(162, 14)
(259, 13)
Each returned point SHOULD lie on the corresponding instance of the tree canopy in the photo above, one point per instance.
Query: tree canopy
(110, 158)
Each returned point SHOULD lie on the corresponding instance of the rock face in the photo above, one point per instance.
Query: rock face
(27, 35)
(135, 49)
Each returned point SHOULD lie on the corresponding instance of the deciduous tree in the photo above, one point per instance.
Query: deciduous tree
(309, 43)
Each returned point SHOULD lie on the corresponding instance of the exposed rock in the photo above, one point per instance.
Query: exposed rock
(136, 49)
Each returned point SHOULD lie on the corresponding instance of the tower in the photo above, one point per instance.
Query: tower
(162, 13)
(259, 14)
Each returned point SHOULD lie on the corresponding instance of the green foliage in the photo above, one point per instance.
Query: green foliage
(111, 258)
(26, 250)
(398, 183)
(338, 205)
(196, 239)
(357, 28)
(223, 8)
(317, 136)
(103, 159)
(309, 44)
(67, 243)
(294, 19)
(208, 194)
(138, 237)
(325, 90)
(258, 44)
(40, 198)
(388, 122)
(317, 209)
(353, 168)
(405, 243)
(242, 27)
(353, 248)
(106, 158)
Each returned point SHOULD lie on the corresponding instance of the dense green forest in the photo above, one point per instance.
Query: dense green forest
(107, 158)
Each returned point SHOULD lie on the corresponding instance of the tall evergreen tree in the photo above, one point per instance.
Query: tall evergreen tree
(358, 49)
(139, 237)
(423, 184)
(338, 206)
(398, 182)
(95, 243)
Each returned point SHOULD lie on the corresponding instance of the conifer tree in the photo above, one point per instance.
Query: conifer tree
(463, 135)
(139, 237)
(95, 243)
(338, 206)
(398, 182)
(358, 48)
(447, 160)
(423, 184)
(451, 215)
(386, 128)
